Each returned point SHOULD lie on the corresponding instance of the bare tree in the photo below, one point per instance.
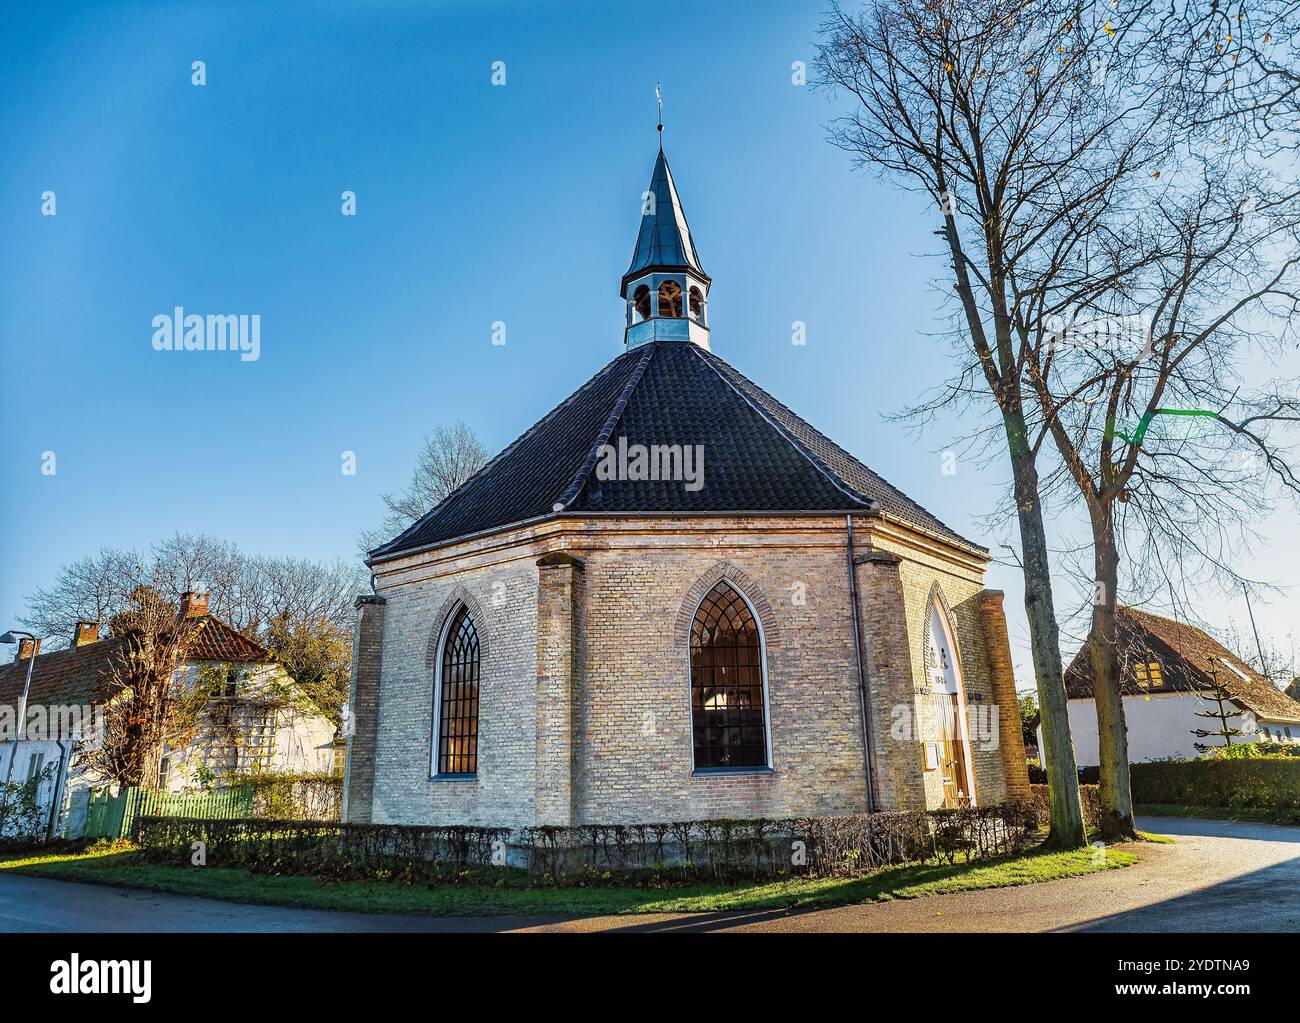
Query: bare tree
(248, 592)
(1149, 417)
(1001, 114)
(150, 703)
(1218, 702)
(1275, 662)
(1078, 180)
(449, 457)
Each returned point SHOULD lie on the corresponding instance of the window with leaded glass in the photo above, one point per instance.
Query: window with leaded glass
(458, 697)
(727, 712)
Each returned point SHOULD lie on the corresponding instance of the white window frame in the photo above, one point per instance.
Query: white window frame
(435, 732)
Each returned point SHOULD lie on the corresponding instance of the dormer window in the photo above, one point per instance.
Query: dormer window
(670, 299)
(1149, 675)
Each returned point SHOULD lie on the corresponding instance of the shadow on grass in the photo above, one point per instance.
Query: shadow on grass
(125, 869)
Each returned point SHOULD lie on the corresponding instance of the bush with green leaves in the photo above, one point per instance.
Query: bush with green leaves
(1249, 781)
(23, 816)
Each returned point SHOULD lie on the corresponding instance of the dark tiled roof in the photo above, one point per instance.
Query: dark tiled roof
(758, 455)
(63, 677)
(1184, 654)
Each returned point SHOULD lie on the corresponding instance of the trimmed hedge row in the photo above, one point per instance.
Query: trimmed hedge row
(1256, 783)
(686, 850)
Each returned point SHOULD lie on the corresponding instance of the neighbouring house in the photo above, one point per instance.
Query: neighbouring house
(667, 601)
(260, 722)
(1165, 680)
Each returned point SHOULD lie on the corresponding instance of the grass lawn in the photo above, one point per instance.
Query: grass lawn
(1219, 813)
(115, 867)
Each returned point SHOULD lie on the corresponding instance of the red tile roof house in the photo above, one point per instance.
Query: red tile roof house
(246, 732)
(1165, 680)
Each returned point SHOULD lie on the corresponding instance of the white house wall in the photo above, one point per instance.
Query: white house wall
(1159, 727)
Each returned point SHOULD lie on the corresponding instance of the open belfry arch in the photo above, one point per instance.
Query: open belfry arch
(642, 648)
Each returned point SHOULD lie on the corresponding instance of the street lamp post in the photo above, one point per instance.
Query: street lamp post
(14, 636)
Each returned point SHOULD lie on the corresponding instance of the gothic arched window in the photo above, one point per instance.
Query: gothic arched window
(641, 304)
(728, 718)
(695, 303)
(670, 299)
(457, 706)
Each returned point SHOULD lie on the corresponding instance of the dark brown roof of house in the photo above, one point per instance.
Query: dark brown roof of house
(61, 678)
(1184, 654)
(217, 641)
(75, 676)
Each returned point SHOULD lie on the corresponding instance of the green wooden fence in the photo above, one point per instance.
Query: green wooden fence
(109, 816)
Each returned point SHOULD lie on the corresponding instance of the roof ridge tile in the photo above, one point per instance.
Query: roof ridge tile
(575, 488)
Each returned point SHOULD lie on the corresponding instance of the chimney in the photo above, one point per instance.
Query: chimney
(28, 648)
(85, 634)
(193, 605)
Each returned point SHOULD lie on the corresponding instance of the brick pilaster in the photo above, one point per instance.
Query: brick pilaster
(898, 781)
(367, 649)
(559, 580)
(993, 621)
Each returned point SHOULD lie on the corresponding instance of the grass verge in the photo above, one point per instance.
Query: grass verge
(1220, 813)
(125, 870)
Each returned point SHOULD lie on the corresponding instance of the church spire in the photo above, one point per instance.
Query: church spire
(665, 286)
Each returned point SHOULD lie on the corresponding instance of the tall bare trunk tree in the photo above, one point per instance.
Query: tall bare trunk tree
(1009, 117)
(1136, 377)
(1058, 137)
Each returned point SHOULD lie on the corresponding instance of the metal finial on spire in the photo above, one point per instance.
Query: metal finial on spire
(660, 97)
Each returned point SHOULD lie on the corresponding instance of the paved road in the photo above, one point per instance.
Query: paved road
(1220, 876)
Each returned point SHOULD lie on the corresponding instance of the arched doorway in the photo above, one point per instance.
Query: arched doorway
(951, 739)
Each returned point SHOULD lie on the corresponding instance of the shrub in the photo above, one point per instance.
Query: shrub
(296, 797)
(1253, 750)
(1254, 782)
(325, 848)
(1089, 796)
(23, 816)
(685, 850)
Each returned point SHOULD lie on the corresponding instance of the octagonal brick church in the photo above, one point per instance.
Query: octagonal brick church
(674, 599)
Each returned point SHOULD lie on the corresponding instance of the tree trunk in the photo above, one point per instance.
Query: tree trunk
(1067, 830)
(1116, 794)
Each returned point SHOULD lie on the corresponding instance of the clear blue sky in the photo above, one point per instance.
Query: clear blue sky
(476, 203)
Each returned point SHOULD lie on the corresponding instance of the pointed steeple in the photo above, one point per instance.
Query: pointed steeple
(666, 287)
(664, 241)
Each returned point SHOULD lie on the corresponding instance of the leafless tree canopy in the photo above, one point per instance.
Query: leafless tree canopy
(1116, 235)
(449, 457)
(249, 592)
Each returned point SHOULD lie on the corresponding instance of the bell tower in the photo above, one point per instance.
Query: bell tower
(665, 289)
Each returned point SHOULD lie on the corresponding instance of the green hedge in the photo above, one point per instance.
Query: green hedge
(684, 851)
(1262, 783)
